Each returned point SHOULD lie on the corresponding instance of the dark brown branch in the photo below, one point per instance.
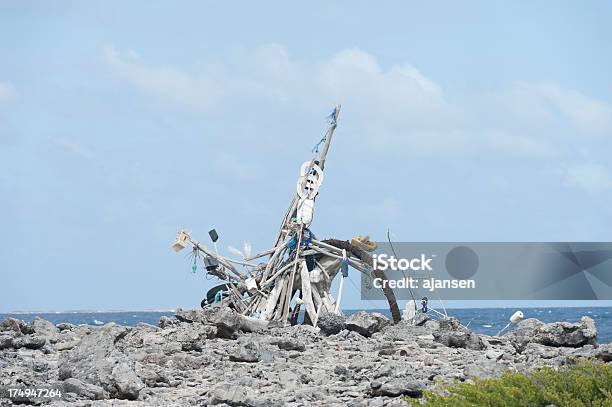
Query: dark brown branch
(367, 258)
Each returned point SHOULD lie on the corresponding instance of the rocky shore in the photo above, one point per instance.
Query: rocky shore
(215, 357)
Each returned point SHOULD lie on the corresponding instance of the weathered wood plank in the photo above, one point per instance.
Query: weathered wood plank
(307, 292)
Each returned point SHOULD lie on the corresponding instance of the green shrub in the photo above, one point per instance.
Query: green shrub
(587, 383)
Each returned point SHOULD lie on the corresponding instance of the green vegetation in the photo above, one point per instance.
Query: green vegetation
(587, 383)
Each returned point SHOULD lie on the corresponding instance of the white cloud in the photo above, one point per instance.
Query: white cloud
(396, 108)
(549, 102)
(168, 84)
(7, 91)
(590, 177)
(356, 74)
(520, 145)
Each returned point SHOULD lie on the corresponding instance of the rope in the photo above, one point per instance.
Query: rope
(315, 149)
(332, 118)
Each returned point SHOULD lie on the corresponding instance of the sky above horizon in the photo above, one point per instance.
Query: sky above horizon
(123, 122)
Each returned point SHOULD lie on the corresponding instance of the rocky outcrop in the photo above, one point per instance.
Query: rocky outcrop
(558, 334)
(213, 357)
(15, 325)
(96, 360)
(366, 323)
(452, 334)
(331, 324)
(227, 321)
(45, 329)
(83, 390)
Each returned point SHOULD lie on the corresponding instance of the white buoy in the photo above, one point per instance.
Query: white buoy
(305, 211)
(514, 319)
(517, 317)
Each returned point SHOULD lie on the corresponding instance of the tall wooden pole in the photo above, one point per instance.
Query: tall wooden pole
(328, 139)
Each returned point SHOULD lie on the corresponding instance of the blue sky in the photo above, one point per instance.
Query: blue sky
(122, 122)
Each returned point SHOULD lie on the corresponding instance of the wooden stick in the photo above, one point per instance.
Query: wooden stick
(292, 207)
(242, 263)
(294, 202)
(357, 264)
(262, 254)
(275, 276)
(280, 309)
(328, 301)
(328, 138)
(272, 300)
(307, 292)
(316, 297)
(221, 261)
(297, 256)
(327, 278)
(272, 260)
(316, 320)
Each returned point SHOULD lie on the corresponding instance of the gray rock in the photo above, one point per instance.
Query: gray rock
(604, 352)
(155, 376)
(84, 390)
(494, 354)
(167, 322)
(66, 345)
(484, 368)
(452, 334)
(185, 363)
(331, 324)
(15, 325)
(366, 323)
(188, 315)
(127, 383)
(190, 336)
(225, 319)
(65, 326)
(96, 360)
(226, 393)
(556, 334)
(289, 344)
(6, 339)
(289, 381)
(601, 352)
(396, 387)
(45, 329)
(29, 342)
(341, 370)
(420, 319)
(432, 325)
(248, 352)
(40, 365)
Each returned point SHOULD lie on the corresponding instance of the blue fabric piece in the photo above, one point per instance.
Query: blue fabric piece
(344, 267)
(292, 243)
(308, 240)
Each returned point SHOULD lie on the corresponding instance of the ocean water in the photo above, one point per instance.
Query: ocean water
(482, 320)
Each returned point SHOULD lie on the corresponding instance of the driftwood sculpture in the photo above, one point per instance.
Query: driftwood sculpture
(300, 269)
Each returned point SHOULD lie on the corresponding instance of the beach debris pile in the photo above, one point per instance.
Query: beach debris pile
(299, 268)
